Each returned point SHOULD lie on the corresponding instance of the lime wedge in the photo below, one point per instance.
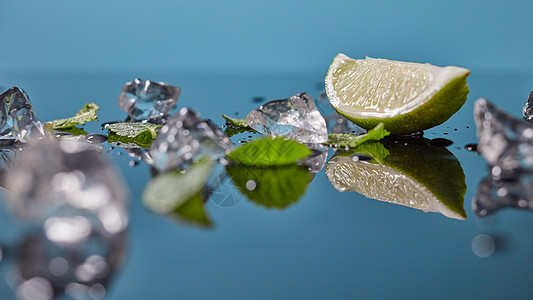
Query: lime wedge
(406, 97)
(409, 172)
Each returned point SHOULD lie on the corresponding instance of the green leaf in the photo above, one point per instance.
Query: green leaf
(141, 134)
(236, 126)
(86, 114)
(276, 187)
(236, 122)
(352, 141)
(268, 151)
(73, 130)
(193, 210)
(180, 193)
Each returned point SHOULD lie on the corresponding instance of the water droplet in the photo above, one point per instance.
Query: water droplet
(96, 138)
(258, 99)
(60, 134)
(251, 185)
(483, 245)
(133, 163)
(471, 147)
(440, 142)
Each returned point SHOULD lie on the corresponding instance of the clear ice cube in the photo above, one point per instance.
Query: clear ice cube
(528, 108)
(186, 138)
(18, 121)
(67, 179)
(147, 100)
(296, 118)
(505, 142)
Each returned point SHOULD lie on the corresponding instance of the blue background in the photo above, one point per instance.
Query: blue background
(65, 53)
(276, 35)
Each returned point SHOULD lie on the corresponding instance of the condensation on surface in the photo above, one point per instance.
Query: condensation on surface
(384, 85)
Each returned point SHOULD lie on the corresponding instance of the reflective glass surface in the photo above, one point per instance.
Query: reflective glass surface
(328, 244)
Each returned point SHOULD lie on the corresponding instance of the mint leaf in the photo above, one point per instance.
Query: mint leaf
(235, 122)
(276, 187)
(235, 126)
(141, 134)
(86, 114)
(268, 151)
(352, 141)
(180, 193)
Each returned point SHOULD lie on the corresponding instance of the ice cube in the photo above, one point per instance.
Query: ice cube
(147, 100)
(18, 121)
(528, 108)
(493, 195)
(67, 179)
(296, 118)
(186, 138)
(506, 143)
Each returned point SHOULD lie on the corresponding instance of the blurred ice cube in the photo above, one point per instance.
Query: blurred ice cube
(296, 118)
(528, 108)
(147, 100)
(70, 181)
(186, 138)
(18, 121)
(505, 142)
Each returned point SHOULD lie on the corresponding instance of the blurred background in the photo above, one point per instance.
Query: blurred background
(261, 36)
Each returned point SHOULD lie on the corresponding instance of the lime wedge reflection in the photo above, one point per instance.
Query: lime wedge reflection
(408, 172)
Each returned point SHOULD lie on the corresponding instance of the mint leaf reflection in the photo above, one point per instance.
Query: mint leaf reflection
(180, 193)
(276, 187)
(403, 171)
(73, 130)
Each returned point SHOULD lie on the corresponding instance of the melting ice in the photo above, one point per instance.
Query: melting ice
(68, 179)
(75, 205)
(528, 108)
(18, 121)
(505, 142)
(186, 138)
(145, 99)
(296, 118)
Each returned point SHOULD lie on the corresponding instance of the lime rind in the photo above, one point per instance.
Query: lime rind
(439, 99)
